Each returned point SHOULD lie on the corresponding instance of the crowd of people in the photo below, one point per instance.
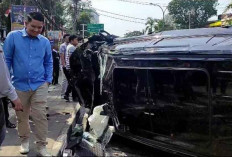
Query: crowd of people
(25, 86)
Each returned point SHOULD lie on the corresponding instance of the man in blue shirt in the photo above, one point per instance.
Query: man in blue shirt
(28, 55)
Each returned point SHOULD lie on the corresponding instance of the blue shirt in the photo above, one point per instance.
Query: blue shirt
(30, 60)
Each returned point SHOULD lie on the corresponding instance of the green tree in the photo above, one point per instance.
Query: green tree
(55, 11)
(199, 10)
(151, 25)
(59, 13)
(53, 8)
(155, 25)
(229, 6)
(134, 33)
(168, 25)
(85, 18)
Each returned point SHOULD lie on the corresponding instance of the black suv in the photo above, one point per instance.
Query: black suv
(172, 90)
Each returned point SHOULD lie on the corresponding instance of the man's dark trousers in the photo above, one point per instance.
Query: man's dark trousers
(2, 123)
(71, 87)
(5, 103)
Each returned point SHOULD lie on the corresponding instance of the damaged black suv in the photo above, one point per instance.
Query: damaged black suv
(172, 90)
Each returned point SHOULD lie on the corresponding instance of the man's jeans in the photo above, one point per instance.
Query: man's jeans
(2, 134)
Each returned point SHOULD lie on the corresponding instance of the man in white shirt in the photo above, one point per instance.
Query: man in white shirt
(73, 42)
(63, 48)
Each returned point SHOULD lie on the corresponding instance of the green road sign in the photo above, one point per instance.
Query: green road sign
(95, 28)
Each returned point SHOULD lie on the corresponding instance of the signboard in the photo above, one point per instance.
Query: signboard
(95, 28)
(54, 35)
(18, 14)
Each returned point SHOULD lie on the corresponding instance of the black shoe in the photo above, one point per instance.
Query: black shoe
(66, 98)
(75, 100)
(10, 125)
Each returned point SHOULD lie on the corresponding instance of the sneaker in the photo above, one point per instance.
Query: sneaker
(42, 151)
(24, 148)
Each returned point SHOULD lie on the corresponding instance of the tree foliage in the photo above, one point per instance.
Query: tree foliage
(151, 25)
(84, 16)
(155, 25)
(134, 33)
(166, 24)
(54, 9)
(199, 10)
(229, 6)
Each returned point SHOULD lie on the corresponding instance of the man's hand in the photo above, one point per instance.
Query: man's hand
(18, 105)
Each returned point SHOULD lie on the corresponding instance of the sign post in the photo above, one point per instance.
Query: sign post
(95, 28)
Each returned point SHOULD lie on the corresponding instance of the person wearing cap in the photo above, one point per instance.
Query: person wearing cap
(6, 90)
(28, 54)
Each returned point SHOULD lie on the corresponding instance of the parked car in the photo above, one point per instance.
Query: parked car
(172, 90)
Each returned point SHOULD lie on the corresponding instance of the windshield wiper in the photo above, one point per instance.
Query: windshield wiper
(210, 39)
(222, 41)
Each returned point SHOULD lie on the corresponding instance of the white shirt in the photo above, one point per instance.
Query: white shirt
(70, 49)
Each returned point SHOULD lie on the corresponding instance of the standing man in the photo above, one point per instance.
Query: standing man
(73, 42)
(28, 55)
(6, 90)
(56, 65)
(63, 48)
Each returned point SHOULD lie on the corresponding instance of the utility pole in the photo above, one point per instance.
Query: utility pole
(83, 30)
(189, 20)
(191, 12)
